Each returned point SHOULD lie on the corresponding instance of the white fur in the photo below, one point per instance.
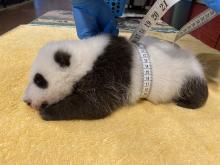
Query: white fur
(136, 77)
(83, 54)
(171, 66)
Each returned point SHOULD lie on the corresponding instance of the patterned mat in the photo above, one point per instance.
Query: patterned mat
(128, 22)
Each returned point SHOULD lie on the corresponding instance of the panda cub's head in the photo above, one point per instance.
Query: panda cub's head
(49, 72)
(57, 67)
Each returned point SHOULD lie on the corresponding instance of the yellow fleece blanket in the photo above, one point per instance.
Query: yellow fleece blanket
(136, 135)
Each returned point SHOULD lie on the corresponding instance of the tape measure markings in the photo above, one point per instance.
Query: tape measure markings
(159, 8)
(146, 70)
(196, 22)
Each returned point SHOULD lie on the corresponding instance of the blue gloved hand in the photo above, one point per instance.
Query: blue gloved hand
(93, 17)
(213, 4)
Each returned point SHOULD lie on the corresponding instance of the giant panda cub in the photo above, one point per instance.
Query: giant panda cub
(91, 78)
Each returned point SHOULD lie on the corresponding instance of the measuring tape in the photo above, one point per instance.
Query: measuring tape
(159, 8)
(146, 70)
(196, 22)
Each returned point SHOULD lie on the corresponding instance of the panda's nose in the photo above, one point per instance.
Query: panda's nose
(28, 102)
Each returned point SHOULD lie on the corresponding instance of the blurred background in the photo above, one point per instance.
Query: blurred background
(16, 12)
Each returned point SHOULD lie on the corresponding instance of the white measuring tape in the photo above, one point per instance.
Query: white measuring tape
(159, 8)
(196, 22)
(146, 71)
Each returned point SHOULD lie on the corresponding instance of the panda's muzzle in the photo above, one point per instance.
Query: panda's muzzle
(29, 103)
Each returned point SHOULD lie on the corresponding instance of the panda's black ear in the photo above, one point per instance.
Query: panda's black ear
(62, 58)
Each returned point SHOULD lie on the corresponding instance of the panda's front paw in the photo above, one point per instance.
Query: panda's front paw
(48, 114)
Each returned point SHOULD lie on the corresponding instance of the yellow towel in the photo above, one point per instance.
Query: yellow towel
(136, 135)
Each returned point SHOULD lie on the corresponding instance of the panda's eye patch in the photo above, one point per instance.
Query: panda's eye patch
(62, 58)
(40, 81)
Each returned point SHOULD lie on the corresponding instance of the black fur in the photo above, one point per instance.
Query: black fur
(40, 81)
(193, 94)
(100, 91)
(62, 58)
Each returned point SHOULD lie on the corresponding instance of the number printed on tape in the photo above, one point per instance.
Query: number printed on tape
(147, 70)
(159, 8)
(196, 22)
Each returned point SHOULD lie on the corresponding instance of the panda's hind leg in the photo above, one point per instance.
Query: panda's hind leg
(193, 94)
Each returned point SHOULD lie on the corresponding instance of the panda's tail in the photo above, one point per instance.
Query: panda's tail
(193, 94)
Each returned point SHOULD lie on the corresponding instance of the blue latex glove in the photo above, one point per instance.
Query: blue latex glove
(93, 17)
(213, 4)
